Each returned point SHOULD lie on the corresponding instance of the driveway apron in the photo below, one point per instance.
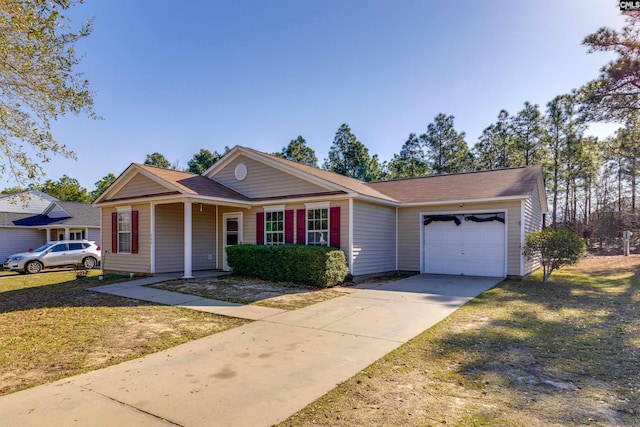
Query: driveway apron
(254, 375)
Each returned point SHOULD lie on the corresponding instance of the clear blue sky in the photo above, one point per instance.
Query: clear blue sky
(175, 77)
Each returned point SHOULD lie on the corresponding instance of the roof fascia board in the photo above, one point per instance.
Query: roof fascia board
(117, 185)
(63, 225)
(128, 175)
(319, 198)
(448, 202)
(374, 199)
(173, 198)
(159, 180)
(220, 164)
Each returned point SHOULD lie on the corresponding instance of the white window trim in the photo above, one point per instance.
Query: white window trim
(125, 209)
(313, 206)
(272, 209)
(318, 205)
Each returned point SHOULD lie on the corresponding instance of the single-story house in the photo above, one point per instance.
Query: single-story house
(158, 220)
(31, 219)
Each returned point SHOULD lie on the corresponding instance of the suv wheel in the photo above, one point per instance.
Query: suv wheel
(89, 262)
(33, 267)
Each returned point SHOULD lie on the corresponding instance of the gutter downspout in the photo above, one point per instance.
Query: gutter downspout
(397, 239)
(152, 255)
(351, 237)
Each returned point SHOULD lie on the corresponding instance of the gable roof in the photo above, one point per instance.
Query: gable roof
(190, 183)
(514, 183)
(79, 215)
(336, 180)
(82, 214)
(176, 182)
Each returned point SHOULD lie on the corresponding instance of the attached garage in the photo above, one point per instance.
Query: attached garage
(472, 244)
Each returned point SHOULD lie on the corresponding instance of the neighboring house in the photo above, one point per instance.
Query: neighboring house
(158, 220)
(31, 219)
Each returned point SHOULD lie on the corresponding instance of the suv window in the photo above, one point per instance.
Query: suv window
(60, 247)
(75, 246)
(86, 245)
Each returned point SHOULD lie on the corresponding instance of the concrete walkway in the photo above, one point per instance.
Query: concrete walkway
(254, 375)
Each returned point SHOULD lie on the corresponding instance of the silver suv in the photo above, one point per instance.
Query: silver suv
(55, 254)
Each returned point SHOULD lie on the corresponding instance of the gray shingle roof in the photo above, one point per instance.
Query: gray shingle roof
(82, 215)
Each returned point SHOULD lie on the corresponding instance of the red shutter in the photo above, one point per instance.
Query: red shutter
(114, 232)
(301, 227)
(260, 228)
(334, 224)
(288, 227)
(134, 232)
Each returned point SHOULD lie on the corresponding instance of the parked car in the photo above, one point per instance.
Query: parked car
(55, 254)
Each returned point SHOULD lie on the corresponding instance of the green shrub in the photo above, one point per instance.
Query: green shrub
(310, 265)
(554, 249)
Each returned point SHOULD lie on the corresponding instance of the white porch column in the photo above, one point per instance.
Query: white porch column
(188, 273)
(152, 255)
(86, 233)
(67, 236)
(48, 235)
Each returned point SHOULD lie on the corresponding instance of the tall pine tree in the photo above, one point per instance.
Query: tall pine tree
(299, 151)
(411, 161)
(445, 148)
(349, 157)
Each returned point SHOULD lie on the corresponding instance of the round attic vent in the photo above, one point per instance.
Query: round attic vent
(241, 171)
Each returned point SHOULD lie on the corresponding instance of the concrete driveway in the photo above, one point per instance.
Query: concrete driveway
(254, 375)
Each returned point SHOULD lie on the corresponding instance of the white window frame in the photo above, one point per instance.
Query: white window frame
(125, 210)
(312, 207)
(271, 210)
(80, 232)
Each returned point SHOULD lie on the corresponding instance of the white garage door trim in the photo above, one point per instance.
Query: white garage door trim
(463, 212)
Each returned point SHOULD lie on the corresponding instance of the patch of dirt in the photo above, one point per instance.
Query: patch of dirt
(607, 264)
(286, 296)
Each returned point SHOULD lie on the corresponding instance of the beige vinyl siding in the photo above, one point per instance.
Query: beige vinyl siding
(137, 263)
(204, 237)
(249, 223)
(138, 186)
(16, 240)
(409, 223)
(374, 235)
(169, 238)
(263, 181)
(532, 223)
(94, 236)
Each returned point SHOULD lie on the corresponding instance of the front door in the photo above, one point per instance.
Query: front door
(232, 234)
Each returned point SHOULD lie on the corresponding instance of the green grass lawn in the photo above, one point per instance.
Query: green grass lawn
(52, 327)
(522, 354)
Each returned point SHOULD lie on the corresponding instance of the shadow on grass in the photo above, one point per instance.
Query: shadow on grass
(33, 292)
(571, 345)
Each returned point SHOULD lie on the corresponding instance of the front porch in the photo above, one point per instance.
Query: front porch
(184, 236)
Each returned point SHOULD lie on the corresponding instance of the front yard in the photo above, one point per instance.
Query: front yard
(521, 354)
(51, 327)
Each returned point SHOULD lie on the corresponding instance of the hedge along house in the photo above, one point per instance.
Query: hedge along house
(157, 220)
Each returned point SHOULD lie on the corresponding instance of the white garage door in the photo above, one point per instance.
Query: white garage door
(470, 248)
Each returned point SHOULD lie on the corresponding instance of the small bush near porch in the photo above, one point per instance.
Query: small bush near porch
(310, 265)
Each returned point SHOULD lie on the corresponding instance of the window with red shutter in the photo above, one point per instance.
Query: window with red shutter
(260, 228)
(288, 227)
(334, 223)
